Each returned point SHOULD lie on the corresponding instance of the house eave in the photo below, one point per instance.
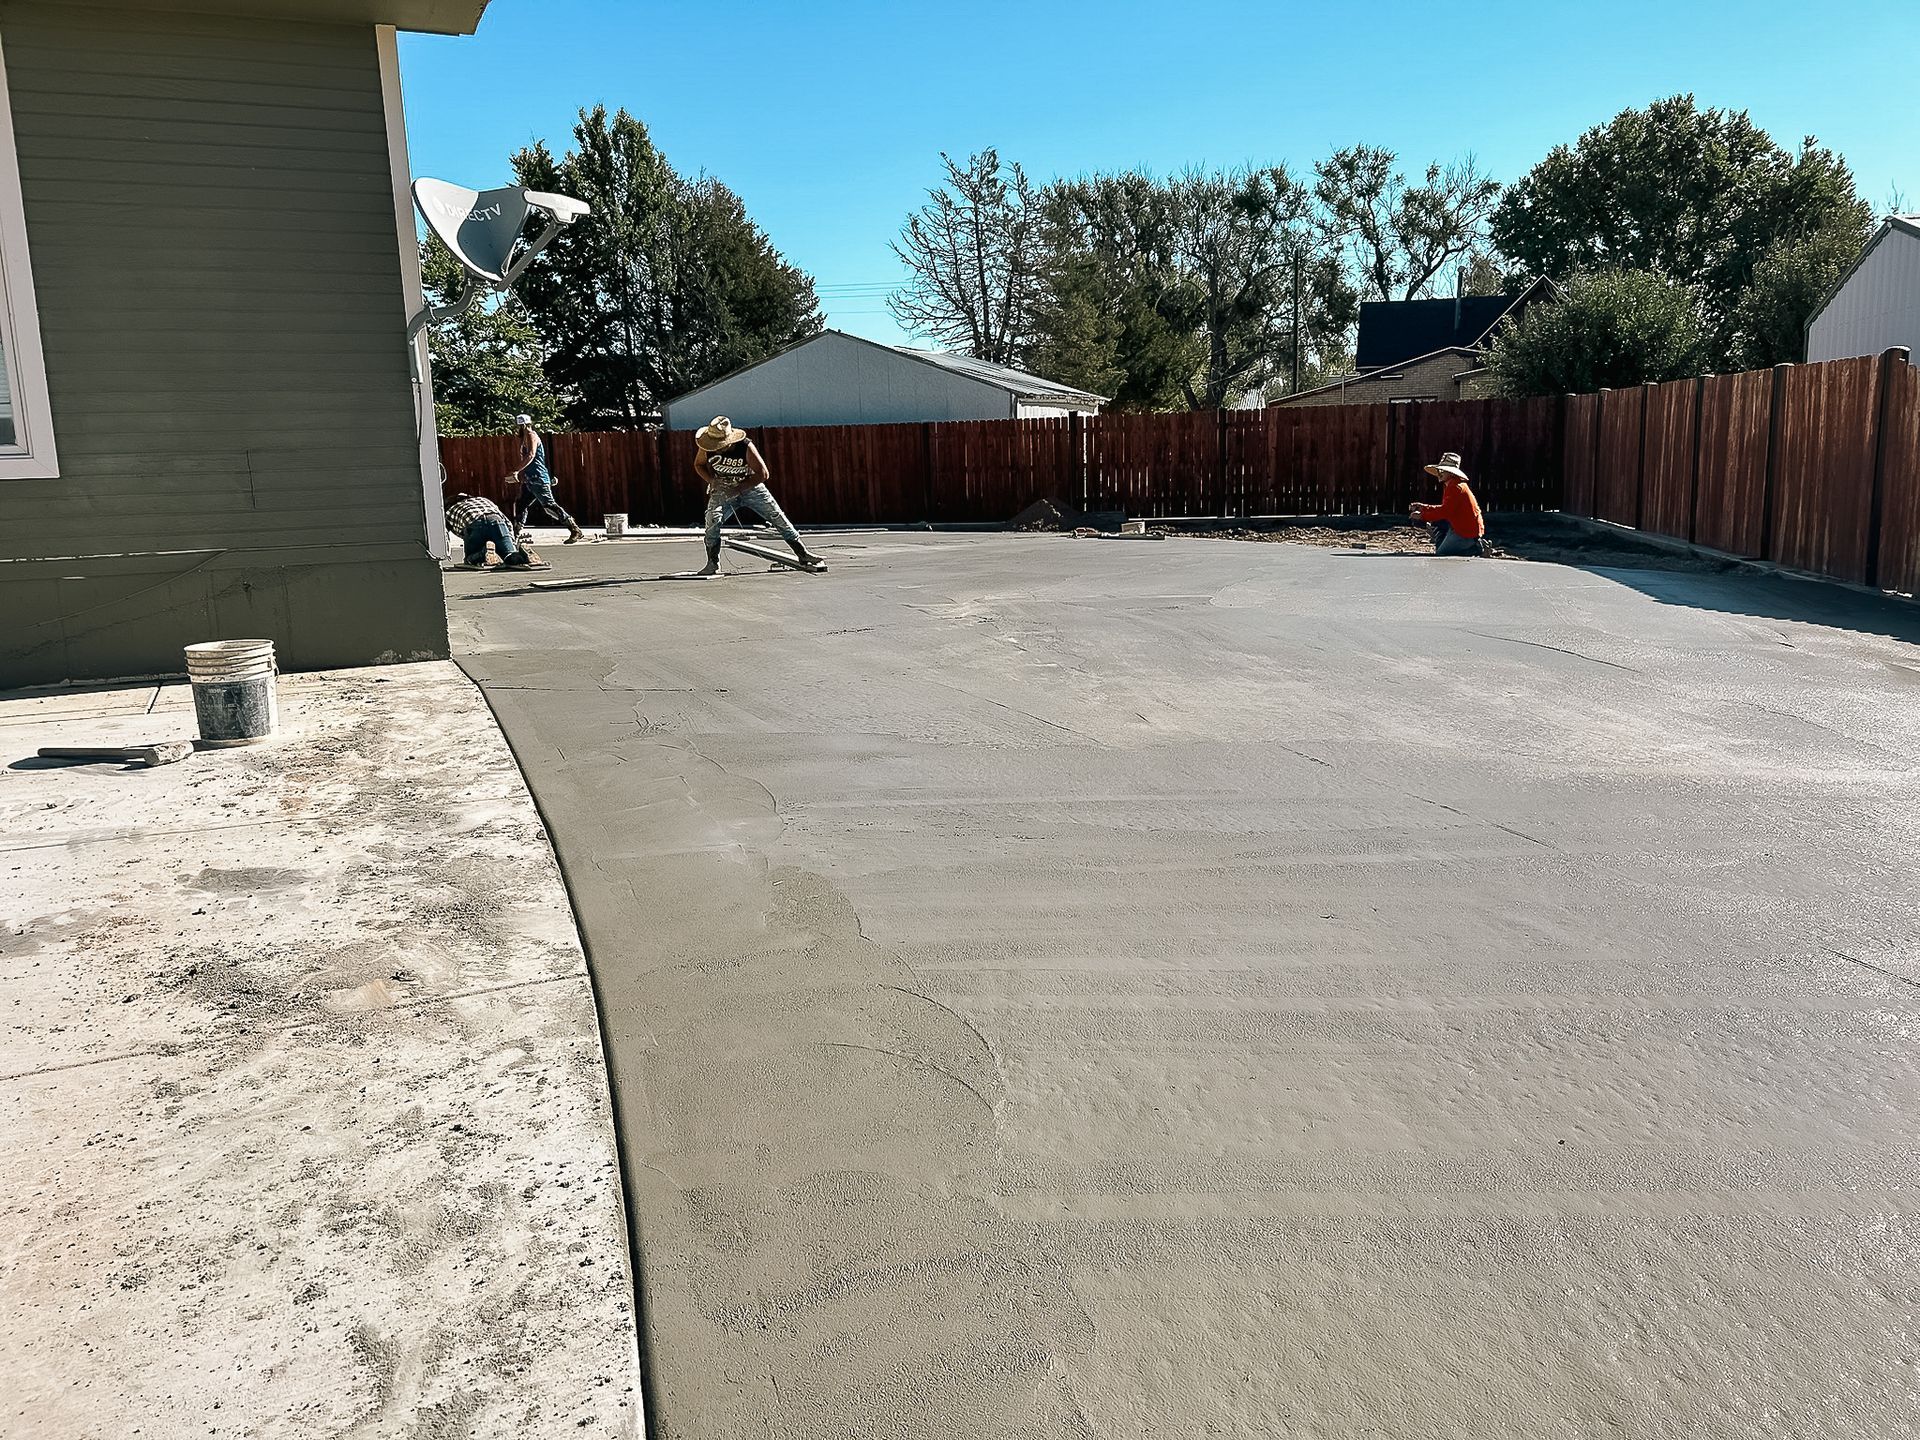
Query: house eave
(435, 17)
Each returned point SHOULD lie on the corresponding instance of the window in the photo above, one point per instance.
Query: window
(26, 425)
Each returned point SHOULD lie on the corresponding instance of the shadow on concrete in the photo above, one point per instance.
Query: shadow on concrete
(1700, 580)
(1774, 597)
(61, 762)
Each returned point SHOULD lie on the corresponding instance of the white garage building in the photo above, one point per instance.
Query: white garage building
(1876, 305)
(841, 379)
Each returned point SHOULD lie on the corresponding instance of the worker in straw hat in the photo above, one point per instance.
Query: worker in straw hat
(735, 474)
(1457, 526)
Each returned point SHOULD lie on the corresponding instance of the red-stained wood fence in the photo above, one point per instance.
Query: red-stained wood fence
(1814, 466)
(1354, 459)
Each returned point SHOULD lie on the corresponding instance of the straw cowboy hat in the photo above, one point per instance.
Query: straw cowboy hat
(1447, 464)
(721, 432)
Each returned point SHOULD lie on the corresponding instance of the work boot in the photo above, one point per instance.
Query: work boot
(807, 558)
(575, 536)
(713, 562)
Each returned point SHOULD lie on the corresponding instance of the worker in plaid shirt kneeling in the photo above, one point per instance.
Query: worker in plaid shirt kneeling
(476, 520)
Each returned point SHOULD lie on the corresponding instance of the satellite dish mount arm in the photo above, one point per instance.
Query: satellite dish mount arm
(471, 289)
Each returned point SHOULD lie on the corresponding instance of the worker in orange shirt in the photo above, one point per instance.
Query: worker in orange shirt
(1457, 526)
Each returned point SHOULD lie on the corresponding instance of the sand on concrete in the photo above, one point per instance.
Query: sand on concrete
(1069, 989)
(304, 1111)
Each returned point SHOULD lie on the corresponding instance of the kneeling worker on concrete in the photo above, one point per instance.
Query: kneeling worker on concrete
(476, 520)
(1457, 526)
(735, 474)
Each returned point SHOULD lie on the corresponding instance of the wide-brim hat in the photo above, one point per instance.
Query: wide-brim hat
(1448, 464)
(722, 432)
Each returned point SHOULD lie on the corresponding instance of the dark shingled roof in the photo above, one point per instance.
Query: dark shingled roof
(1395, 331)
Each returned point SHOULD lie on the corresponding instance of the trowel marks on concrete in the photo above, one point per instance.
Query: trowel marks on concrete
(1248, 992)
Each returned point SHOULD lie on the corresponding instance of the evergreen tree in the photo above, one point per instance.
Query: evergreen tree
(486, 363)
(667, 286)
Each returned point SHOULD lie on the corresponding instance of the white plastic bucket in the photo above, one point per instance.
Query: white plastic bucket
(234, 695)
(616, 526)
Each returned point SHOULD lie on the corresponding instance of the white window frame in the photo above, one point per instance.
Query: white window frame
(32, 457)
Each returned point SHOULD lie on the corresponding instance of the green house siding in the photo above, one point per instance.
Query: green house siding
(211, 216)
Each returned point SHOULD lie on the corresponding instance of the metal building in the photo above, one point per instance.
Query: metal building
(1876, 305)
(841, 379)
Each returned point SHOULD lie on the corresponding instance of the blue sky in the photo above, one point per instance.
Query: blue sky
(828, 118)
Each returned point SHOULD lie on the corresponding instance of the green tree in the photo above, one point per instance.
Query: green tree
(1399, 238)
(1697, 196)
(1183, 289)
(1605, 328)
(1113, 244)
(1243, 240)
(1076, 334)
(667, 286)
(974, 256)
(486, 363)
(1789, 282)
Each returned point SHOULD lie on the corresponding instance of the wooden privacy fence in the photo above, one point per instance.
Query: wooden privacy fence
(1813, 466)
(1353, 459)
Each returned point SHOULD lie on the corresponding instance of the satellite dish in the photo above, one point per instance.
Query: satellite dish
(480, 227)
(486, 231)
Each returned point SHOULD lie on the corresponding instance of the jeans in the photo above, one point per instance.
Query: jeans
(480, 531)
(1445, 542)
(540, 498)
(758, 499)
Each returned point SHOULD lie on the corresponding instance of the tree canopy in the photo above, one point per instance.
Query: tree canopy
(1185, 290)
(1604, 329)
(1698, 197)
(1182, 290)
(668, 286)
(486, 362)
(974, 257)
(1399, 238)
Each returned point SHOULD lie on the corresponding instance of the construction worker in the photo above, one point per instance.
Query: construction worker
(536, 483)
(474, 520)
(735, 474)
(1457, 526)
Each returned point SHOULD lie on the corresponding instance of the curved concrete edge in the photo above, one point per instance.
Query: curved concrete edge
(302, 1086)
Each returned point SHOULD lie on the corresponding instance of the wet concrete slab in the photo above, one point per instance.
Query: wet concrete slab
(1066, 988)
(305, 1115)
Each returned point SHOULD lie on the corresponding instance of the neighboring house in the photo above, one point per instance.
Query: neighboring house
(1452, 374)
(207, 263)
(1420, 349)
(841, 379)
(1876, 305)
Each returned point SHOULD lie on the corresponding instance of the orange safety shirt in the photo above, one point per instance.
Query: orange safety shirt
(1458, 508)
